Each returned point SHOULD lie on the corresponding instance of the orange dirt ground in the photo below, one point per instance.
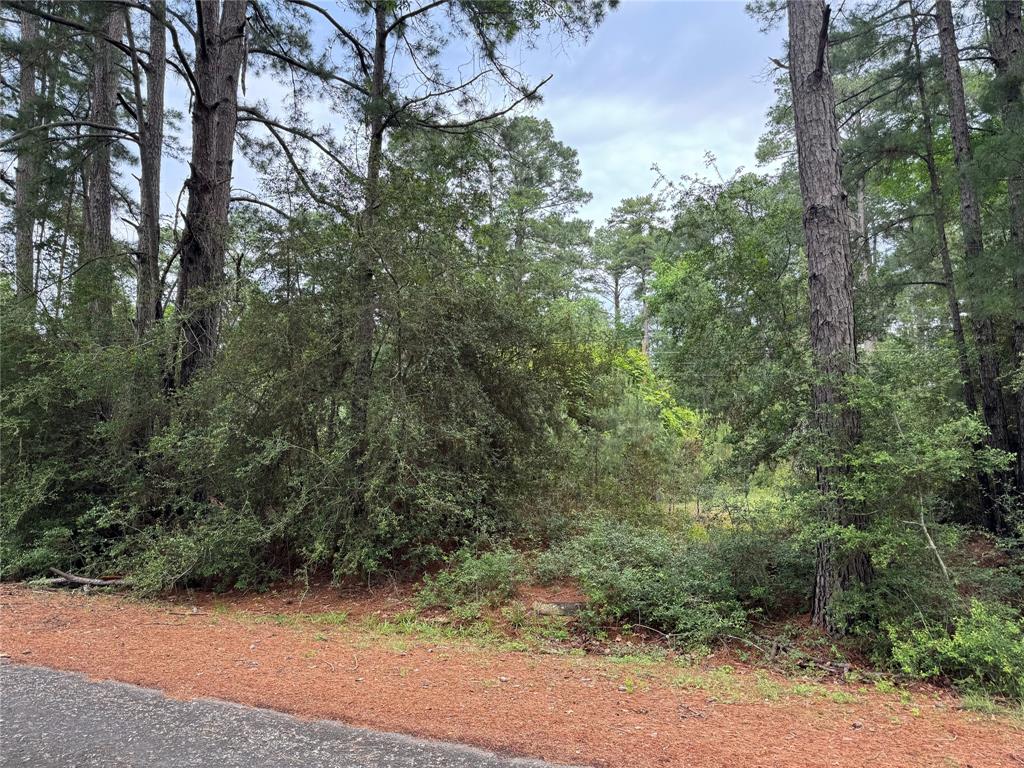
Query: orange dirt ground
(578, 710)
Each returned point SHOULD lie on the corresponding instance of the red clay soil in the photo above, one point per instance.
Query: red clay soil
(564, 709)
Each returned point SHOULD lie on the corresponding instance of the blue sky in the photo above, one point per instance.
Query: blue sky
(660, 81)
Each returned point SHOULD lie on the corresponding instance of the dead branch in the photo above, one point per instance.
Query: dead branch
(73, 579)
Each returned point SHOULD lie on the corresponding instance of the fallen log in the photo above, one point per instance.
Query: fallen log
(85, 580)
(54, 581)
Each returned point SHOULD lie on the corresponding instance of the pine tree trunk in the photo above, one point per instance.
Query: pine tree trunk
(645, 320)
(151, 133)
(1008, 55)
(830, 273)
(94, 281)
(220, 49)
(939, 215)
(617, 302)
(25, 176)
(974, 251)
(365, 293)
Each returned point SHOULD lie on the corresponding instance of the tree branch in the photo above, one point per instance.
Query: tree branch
(412, 14)
(67, 124)
(360, 48)
(257, 201)
(461, 126)
(323, 74)
(250, 115)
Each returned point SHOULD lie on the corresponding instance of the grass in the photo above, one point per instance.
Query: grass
(518, 630)
(721, 682)
(983, 704)
(730, 687)
(533, 633)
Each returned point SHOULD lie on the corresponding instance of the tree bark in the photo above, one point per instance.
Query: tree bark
(365, 270)
(220, 49)
(645, 320)
(1008, 55)
(151, 140)
(939, 215)
(974, 251)
(94, 281)
(617, 300)
(25, 176)
(826, 224)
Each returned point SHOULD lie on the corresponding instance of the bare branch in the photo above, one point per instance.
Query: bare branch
(361, 50)
(458, 127)
(323, 74)
(257, 201)
(250, 115)
(42, 127)
(412, 14)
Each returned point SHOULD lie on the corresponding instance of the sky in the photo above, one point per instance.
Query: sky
(660, 82)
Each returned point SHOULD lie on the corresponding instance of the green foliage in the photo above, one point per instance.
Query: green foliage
(655, 443)
(677, 419)
(919, 445)
(247, 475)
(730, 296)
(473, 578)
(985, 650)
(642, 575)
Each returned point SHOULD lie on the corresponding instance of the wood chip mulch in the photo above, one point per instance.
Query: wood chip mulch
(576, 710)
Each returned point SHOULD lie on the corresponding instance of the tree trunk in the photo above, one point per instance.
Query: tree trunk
(645, 320)
(25, 176)
(220, 49)
(939, 215)
(95, 281)
(151, 136)
(830, 272)
(1008, 55)
(365, 294)
(617, 301)
(970, 223)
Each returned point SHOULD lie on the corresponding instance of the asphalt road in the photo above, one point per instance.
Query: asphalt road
(52, 719)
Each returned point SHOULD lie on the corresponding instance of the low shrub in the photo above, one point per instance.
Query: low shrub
(473, 578)
(985, 650)
(768, 557)
(647, 576)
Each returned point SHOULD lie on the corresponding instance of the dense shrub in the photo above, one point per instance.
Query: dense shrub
(473, 577)
(768, 556)
(984, 650)
(648, 576)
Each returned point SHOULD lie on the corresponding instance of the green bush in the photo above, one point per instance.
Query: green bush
(768, 559)
(984, 651)
(647, 576)
(474, 578)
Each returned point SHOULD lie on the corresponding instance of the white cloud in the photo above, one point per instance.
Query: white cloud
(619, 139)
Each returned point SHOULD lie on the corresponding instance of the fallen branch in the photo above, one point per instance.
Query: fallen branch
(833, 668)
(47, 583)
(73, 579)
(666, 635)
(751, 644)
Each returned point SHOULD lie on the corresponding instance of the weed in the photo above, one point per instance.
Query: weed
(842, 697)
(767, 688)
(327, 618)
(885, 686)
